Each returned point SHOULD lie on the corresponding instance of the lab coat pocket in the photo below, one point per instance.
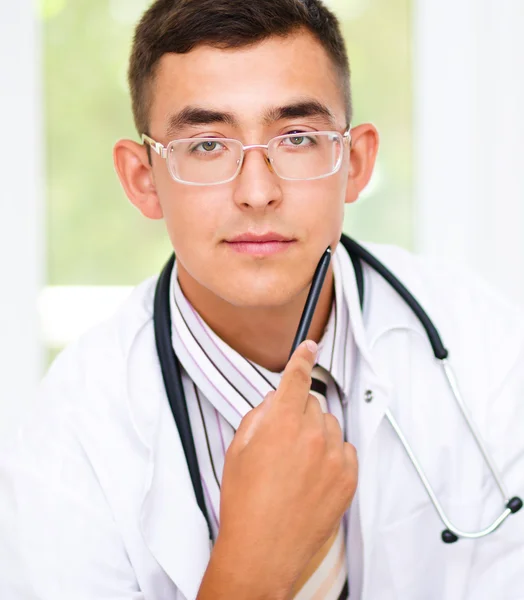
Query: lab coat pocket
(418, 563)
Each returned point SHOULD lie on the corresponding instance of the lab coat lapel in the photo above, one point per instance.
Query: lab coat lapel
(363, 419)
(173, 528)
(370, 397)
(172, 524)
(369, 391)
(385, 312)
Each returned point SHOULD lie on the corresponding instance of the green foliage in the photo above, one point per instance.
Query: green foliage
(379, 47)
(95, 236)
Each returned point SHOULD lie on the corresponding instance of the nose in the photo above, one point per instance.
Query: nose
(257, 185)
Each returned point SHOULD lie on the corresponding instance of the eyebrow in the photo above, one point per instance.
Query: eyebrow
(305, 108)
(195, 115)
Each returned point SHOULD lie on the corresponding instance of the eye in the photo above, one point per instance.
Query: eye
(299, 140)
(206, 146)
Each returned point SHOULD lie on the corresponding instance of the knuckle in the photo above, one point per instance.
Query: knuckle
(332, 423)
(313, 400)
(348, 484)
(334, 430)
(349, 476)
(233, 449)
(247, 419)
(351, 452)
(301, 372)
(269, 396)
(336, 461)
(315, 440)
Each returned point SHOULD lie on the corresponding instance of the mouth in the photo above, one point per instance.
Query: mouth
(260, 245)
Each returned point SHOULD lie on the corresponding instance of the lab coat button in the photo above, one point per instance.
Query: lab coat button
(368, 396)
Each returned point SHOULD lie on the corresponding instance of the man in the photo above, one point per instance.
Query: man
(249, 158)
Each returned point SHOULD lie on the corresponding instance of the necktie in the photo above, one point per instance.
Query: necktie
(325, 577)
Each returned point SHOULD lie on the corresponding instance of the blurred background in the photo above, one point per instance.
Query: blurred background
(441, 79)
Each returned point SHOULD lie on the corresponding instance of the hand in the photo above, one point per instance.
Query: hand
(288, 479)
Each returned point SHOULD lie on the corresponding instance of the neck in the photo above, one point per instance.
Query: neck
(262, 335)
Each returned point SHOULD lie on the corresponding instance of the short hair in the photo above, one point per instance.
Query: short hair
(178, 26)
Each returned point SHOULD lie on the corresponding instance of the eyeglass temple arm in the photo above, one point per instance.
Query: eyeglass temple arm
(347, 134)
(156, 146)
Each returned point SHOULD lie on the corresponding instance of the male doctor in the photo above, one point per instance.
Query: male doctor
(251, 101)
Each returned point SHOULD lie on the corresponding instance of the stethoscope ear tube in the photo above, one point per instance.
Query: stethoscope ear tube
(436, 343)
(513, 506)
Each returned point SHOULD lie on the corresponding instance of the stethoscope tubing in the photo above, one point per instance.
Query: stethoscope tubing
(172, 378)
(174, 388)
(512, 505)
(429, 489)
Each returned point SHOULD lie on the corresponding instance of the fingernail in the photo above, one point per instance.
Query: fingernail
(312, 346)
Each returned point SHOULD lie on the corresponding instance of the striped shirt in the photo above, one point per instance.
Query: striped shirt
(222, 386)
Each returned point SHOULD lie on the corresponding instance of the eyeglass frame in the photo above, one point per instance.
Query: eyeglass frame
(163, 152)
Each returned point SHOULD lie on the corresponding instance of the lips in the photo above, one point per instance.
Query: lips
(260, 245)
(260, 238)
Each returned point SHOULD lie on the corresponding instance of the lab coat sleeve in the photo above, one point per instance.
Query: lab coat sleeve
(498, 560)
(58, 540)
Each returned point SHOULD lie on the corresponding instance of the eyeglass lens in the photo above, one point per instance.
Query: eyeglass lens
(216, 160)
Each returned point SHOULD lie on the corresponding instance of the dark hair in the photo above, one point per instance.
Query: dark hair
(178, 26)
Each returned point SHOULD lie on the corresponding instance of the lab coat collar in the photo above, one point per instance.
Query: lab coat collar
(384, 311)
(368, 374)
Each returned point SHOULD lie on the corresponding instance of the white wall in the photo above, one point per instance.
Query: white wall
(469, 135)
(21, 209)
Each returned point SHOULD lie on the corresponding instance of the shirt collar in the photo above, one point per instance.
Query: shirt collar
(226, 373)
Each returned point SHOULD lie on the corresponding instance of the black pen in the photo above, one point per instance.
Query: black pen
(312, 300)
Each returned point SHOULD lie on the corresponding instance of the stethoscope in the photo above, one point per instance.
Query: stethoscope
(175, 392)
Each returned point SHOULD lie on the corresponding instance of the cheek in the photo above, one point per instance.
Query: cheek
(320, 206)
(193, 216)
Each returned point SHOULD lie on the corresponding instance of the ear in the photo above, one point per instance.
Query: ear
(136, 176)
(364, 148)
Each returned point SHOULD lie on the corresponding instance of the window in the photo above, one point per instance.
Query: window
(98, 244)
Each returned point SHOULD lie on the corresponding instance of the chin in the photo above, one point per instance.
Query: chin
(260, 292)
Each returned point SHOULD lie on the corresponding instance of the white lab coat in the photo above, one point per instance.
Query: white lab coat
(96, 500)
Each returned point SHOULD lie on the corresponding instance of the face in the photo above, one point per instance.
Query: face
(253, 86)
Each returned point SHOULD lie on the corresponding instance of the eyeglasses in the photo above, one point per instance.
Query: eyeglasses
(300, 156)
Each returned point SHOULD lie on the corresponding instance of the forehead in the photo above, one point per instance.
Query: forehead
(247, 81)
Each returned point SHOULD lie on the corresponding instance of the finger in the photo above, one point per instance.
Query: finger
(350, 453)
(335, 437)
(351, 456)
(313, 411)
(294, 386)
